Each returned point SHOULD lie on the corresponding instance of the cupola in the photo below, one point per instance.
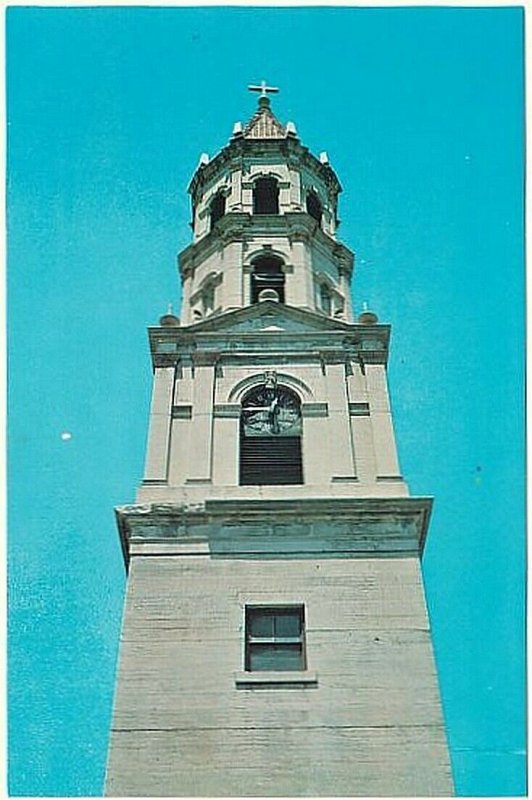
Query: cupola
(264, 211)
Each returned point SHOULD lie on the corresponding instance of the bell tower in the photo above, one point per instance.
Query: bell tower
(275, 638)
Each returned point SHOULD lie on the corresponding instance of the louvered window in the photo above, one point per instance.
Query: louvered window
(270, 461)
(270, 438)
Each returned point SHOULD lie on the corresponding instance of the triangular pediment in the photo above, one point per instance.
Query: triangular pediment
(269, 316)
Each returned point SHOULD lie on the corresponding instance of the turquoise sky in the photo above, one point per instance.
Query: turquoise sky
(421, 112)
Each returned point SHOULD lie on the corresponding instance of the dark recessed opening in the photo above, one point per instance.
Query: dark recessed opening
(267, 274)
(314, 207)
(266, 196)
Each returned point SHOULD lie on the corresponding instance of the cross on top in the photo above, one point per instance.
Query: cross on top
(263, 89)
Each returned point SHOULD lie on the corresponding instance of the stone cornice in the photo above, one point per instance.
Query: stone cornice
(363, 343)
(238, 226)
(285, 528)
(289, 148)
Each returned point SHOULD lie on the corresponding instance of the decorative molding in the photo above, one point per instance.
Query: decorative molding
(165, 346)
(183, 411)
(296, 384)
(359, 409)
(227, 410)
(314, 409)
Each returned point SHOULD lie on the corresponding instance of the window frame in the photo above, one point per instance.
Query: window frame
(255, 644)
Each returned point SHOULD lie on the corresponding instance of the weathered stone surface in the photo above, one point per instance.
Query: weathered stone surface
(370, 725)
(361, 714)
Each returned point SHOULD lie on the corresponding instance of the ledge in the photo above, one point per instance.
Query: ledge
(287, 680)
(295, 526)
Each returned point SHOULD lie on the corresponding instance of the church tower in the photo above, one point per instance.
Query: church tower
(275, 638)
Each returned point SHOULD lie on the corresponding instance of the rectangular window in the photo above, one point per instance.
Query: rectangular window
(275, 638)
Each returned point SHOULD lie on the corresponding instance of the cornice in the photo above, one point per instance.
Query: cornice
(295, 527)
(239, 226)
(290, 148)
(366, 344)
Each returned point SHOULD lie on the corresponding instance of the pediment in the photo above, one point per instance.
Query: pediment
(269, 317)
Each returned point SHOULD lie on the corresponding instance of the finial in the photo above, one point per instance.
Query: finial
(264, 90)
(367, 317)
(291, 129)
(169, 320)
(324, 158)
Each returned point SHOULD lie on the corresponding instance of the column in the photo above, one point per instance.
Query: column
(298, 287)
(181, 423)
(158, 447)
(381, 422)
(231, 265)
(360, 424)
(343, 462)
(200, 453)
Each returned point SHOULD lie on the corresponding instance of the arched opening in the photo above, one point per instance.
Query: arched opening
(270, 437)
(314, 207)
(266, 196)
(217, 208)
(267, 274)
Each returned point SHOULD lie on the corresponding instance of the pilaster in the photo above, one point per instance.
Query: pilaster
(158, 446)
(343, 463)
(387, 464)
(200, 455)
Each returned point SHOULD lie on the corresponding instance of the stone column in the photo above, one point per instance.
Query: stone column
(186, 284)
(343, 462)
(234, 201)
(298, 287)
(345, 288)
(361, 424)
(226, 446)
(200, 454)
(181, 424)
(381, 422)
(158, 447)
(295, 189)
(231, 264)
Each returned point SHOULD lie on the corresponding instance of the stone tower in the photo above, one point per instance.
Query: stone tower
(275, 638)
